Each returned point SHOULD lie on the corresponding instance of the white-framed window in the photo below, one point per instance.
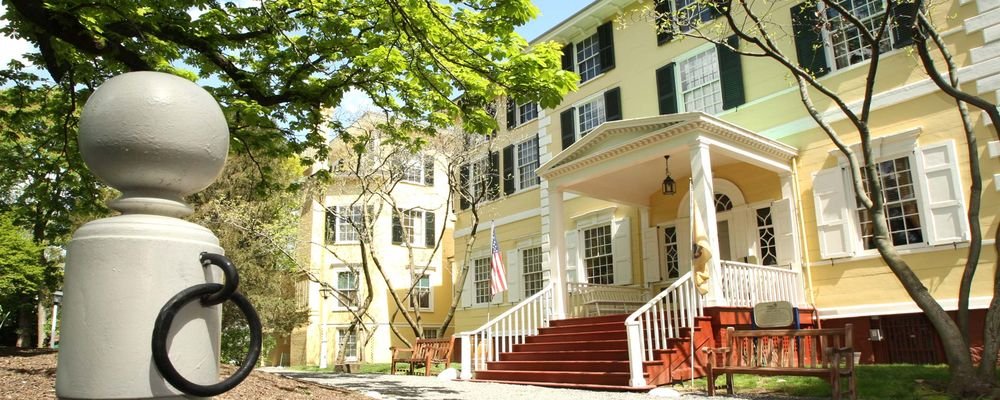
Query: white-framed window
(479, 177)
(527, 163)
(421, 296)
(766, 242)
(430, 333)
(417, 168)
(531, 268)
(671, 256)
(343, 224)
(526, 112)
(347, 281)
(700, 83)
(481, 276)
(589, 115)
(347, 339)
(901, 205)
(598, 257)
(691, 13)
(588, 63)
(845, 45)
(413, 224)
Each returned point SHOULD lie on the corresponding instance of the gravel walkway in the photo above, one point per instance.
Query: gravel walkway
(403, 387)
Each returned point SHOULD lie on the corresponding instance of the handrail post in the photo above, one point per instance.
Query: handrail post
(634, 334)
(466, 358)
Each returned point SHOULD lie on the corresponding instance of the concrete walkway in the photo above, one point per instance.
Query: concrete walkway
(403, 387)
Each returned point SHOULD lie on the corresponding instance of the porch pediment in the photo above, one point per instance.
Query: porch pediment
(620, 138)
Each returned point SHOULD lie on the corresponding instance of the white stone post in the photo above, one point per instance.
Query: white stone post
(156, 138)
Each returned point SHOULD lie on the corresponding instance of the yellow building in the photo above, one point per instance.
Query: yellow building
(348, 234)
(585, 226)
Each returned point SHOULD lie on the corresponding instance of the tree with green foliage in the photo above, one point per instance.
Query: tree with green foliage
(21, 273)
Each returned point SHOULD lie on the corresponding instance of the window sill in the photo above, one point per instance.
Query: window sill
(903, 251)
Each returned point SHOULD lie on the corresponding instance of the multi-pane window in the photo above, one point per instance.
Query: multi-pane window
(588, 63)
(430, 333)
(347, 286)
(901, 212)
(765, 237)
(412, 222)
(527, 163)
(690, 13)
(846, 42)
(526, 112)
(670, 254)
(481, 275)
(348, 341)
(722, 203)
(701, 87)
(479, 178)
(421, 296)
(597, 255)
(531, 259)
(349, 217)
(589, 115)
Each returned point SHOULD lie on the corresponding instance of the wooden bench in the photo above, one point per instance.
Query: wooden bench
(824, 353)
(424, 352)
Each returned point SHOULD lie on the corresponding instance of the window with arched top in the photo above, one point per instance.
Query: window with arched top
(722, 203)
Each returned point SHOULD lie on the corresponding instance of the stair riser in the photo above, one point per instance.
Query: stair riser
(614, 366)
(612, 378)
(582, 328)
(590, 320)
(578, 337)
(620, 355)
(568, 346)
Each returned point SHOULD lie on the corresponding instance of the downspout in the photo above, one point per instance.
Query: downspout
(803, 243)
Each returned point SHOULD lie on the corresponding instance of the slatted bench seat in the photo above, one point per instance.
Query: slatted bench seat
(823, 353)
(424, 352)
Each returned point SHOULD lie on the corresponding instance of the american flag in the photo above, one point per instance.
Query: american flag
(498, 278)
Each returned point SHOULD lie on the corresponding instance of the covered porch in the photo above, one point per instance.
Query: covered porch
(630, 240)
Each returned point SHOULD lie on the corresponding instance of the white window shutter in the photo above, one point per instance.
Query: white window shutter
(944, 213)
(784, 231)
(683, 226)
(621, 251)
(832, 219)
(469, 286)
(741, 223)
(572, 256)
(651, 255)
(515, 278)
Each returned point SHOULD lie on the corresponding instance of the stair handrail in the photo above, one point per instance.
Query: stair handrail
(662, 321)
(500, 334)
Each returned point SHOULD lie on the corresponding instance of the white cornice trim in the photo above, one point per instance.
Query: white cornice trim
(895, 308)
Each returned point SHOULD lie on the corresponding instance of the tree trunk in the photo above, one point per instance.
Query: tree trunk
(40, 323)
(23, 327)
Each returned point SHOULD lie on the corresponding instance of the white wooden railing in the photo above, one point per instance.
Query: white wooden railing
(501, 333)
(651, 326)
(591, 299)
(744, 285)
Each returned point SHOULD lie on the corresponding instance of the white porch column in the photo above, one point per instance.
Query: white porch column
(703, 194)
(557, 249)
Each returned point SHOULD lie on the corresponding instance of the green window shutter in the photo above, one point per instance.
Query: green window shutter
(508, 170)
(666, 90)
(463, 189)
(567, 120)
(662, 15)
(903, 16)
(606, 43)
(808, 39)
(397, 227)
(613, 104)
(430, 233)
(493, 180)
(567, 58)
(731, 74)
(511, 114)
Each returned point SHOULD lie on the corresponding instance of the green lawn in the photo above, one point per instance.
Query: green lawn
(900, 381)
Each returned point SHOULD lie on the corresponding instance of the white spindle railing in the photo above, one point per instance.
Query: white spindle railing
(744, 285)
(591, 299)
(651, 326)
(501, 333)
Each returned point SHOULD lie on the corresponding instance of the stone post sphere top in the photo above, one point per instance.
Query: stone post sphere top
(156, 137)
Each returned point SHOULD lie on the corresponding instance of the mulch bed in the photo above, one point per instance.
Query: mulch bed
(27, 374)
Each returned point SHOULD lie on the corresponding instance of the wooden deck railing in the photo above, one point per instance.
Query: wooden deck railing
(744, 285)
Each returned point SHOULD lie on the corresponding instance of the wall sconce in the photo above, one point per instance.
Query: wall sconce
(669, 186)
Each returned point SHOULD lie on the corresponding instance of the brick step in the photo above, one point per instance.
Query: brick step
(578, 336)
(603, 326)
(561, 365)
(578, 345)
(574, 385)
(620, 318)
(591, 378)
(567, 355)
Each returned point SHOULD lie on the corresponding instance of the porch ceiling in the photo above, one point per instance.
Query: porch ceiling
(622, 161)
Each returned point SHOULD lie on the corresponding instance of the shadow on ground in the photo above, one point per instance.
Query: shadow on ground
(377, 383)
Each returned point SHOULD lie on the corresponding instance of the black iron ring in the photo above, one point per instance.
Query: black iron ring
(230, 284)
(162, 326)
